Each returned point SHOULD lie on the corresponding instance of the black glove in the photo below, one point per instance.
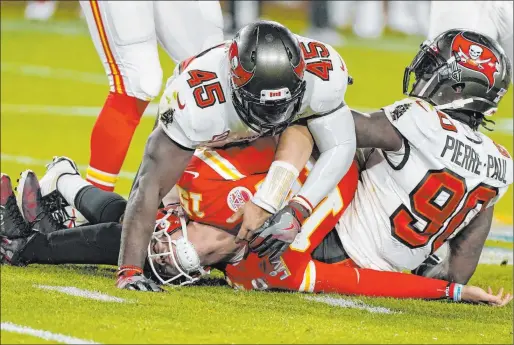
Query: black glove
(132, 278)
(279, 231)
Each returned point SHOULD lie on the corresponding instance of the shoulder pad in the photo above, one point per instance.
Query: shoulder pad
(326, 75)
(206, 60)
(417, 110)
(197, 124)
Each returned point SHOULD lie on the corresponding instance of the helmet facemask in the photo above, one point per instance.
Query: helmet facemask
(179, 263)
(272, 112)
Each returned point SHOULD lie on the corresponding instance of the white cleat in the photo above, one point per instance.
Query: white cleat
(59, 166)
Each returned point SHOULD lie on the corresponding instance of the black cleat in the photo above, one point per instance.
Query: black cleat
(37, 211)
(12, 224)
(11, 250)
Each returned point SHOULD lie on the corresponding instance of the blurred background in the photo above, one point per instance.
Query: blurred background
(53, 83)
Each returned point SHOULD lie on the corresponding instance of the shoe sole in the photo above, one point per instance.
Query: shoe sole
(4, 190)
(20, 190)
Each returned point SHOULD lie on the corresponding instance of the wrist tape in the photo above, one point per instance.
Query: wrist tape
(275, 188)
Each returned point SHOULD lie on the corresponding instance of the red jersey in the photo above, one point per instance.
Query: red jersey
(218, 182)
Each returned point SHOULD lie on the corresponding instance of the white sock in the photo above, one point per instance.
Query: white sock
(69, 186)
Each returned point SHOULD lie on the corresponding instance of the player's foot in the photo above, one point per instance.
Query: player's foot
(11, 249)
(40, 10)
(12, 223)
(42, 213)
(59, 166)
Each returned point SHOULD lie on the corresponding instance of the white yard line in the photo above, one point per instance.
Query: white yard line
(74, 291)
(496, 256)
(54, 73)
(346, 303)
(60, 338)
(78, 110)
(31, 162)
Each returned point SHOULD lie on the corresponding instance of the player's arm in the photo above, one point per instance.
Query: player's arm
(335, 138)
(293, 151)
(465, 250)
(341, 279)
(376, 131)
(334, 135)
(163, 162)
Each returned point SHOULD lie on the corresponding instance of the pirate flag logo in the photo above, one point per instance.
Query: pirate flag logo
(476, 57)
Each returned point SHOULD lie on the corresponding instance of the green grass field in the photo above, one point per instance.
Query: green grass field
(53, 86)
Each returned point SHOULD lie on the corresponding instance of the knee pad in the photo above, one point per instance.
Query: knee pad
(143, 78)
(150, 82)
(99, 206)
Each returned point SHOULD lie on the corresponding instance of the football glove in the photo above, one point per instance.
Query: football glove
(132, 278)
(279, 231)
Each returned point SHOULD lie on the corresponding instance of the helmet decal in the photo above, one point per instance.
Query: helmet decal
(476, 57)
(299, 69)
(240, 76)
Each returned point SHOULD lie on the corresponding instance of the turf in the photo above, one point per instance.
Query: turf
(221, 315)
(55, 65)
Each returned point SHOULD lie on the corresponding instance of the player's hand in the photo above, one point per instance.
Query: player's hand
(253, 218)
(132, 278)
(475, 294)
(279, 231)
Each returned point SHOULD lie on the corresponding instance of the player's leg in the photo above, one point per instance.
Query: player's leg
(369, 19)
(123, 33)
(186, 28)
(90, 244)
(469, 15)
(505, 26)
(19, 244)
(62, 187)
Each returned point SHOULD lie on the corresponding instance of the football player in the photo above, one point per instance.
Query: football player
(256, 85)
(432, 176)
(125, 35)
(181, 248)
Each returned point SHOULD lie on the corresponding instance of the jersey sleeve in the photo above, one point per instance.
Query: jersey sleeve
(328, 94)
(413, 119)
(182, 120)
(327, 80)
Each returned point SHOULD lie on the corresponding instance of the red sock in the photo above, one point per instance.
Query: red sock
(111, 138)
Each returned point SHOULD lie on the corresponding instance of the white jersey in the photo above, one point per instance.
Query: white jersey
(410, 201)
(196, 108)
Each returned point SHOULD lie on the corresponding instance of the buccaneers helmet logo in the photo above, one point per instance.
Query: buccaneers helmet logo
(476, 57)
(240, 76)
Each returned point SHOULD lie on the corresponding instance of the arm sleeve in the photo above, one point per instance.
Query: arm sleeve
(334, 135)
(338, 278)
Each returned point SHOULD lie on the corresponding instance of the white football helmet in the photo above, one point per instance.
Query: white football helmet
(173, 261)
